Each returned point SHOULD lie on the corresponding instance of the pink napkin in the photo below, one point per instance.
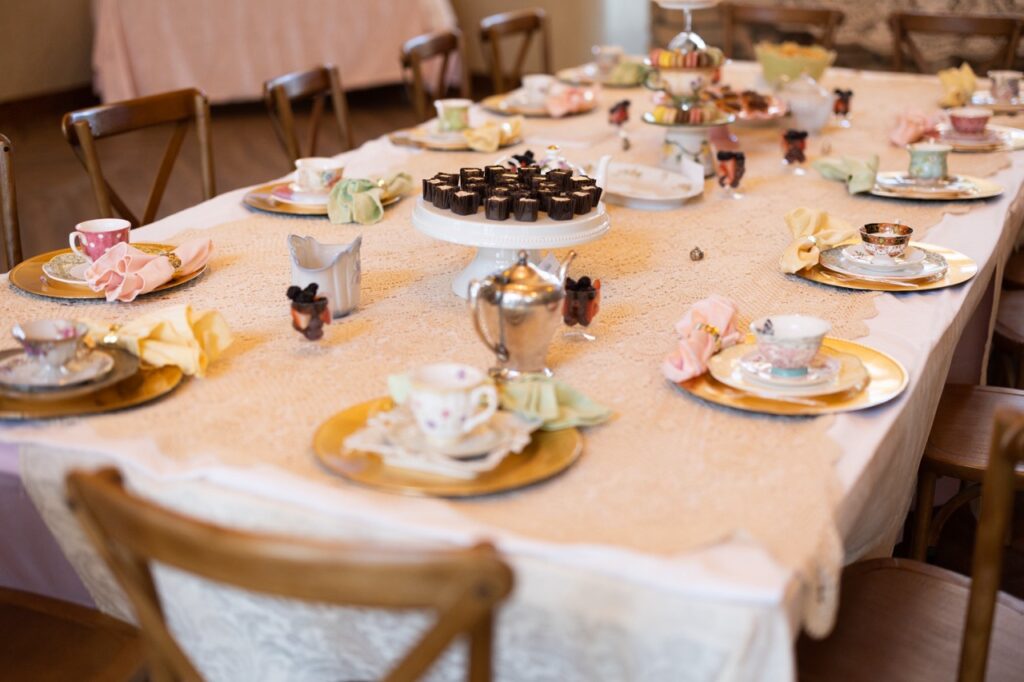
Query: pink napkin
(124, 272)
(706, 328)
(912, 126)
(563, 101)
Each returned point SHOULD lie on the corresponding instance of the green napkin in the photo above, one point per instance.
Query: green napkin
(858, 174)
(559, 405)
(358, 200)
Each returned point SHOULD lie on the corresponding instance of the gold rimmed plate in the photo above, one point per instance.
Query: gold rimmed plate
(548, 454)
(425, 138)
(724, 119)
(30, 276)
(124, 365)
(899, 185)
(143, 386)
(961, 269)
(996, 139)
(509, 105)
(264, 199)
(887, 378)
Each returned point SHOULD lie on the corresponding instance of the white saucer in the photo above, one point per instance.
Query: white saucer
(931, 267)
(292, 193)
(21, 371)
(831, 372)
(910, 261)
(757, 369)
(648, 188)
(67, 268)
(481, 440)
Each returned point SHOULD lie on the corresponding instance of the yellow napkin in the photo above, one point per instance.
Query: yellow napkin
(958, 85)
(812, 231)
(493, 134)
(173, 336)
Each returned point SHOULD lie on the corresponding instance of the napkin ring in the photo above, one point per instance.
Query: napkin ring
(712, 331)
(173, 258)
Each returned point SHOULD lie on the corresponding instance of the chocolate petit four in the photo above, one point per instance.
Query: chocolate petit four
(560, 208)
(467, 174)
(448, 178)
(464, 203)
(496, 208)
(579, 181)
(527, 210)
(580, 203)
(491, 173)
(442, 196)
(544, 199)
(560, 178)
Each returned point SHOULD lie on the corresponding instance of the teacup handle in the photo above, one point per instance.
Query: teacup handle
(476, 397)
(73, 243)
(657, 83)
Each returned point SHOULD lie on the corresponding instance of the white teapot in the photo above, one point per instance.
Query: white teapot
(810, 105)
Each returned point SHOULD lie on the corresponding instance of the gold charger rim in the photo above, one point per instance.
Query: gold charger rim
(261, 198)
(29, 277)
(549, 454)
(987, 189)
(888, 378)
(156, 383)
(493, 104)
(408, 138)
(962, 268)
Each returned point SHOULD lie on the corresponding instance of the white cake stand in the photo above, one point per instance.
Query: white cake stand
(498, 242)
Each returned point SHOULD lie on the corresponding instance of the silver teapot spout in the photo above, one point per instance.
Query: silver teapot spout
(563, 267)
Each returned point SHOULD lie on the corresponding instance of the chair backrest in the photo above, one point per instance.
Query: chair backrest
(526, 22)
(997, 497)
(84, 127)
(10, 234)
(462, 586)
(317, 84)
(903, 24)
(440, 45)
(827, 21)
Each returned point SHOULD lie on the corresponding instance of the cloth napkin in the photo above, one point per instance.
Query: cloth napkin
(556, 404)
(913, 126)
(812, 231)
(958, 85)
(565, 100)
(359, 200)
(124, 272)
(175, 336)
(858, 174)
(706, 328)
(493, 134)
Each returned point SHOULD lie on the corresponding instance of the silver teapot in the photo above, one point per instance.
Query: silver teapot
(516, 312)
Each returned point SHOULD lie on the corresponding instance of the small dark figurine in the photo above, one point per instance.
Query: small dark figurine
(794, 143)
(309, 311)
(731, 167)
(619, 114)
(582, 301)
(696, 254)
(841, 105)
(527, 158)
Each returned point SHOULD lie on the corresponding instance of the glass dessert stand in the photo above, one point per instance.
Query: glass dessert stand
(498, 242)
(687, 40)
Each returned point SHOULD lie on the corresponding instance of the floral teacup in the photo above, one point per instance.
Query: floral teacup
(789, 342)
(449, 400)
(452, 114)
(51, 343)
(1005, 85)
(928, 161)
(317, 174)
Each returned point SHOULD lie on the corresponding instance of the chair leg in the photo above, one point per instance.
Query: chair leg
(923, 514)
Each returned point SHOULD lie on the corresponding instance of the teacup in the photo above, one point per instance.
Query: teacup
(1005, 85)
(607, 57)
(789, 342)
(886, 239)
(536, 87)
(969, 120)
(452, 114)
(51, 343)
(317, 174)
(928, 161)
(679, 83)
(93, 238)
(449, 400)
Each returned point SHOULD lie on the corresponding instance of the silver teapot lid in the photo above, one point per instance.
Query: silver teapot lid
(524, 284)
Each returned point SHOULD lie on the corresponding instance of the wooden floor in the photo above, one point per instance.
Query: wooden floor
(54, 191)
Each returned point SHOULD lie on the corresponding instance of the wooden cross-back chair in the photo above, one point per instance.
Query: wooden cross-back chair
(526, 23)
(10, 234)
(904, 24)
(317, 84)
(898, 618)
(84, 127)
(462, 586)
(441, 45)
(826, 21)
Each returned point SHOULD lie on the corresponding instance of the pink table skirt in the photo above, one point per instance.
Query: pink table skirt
(228, 48)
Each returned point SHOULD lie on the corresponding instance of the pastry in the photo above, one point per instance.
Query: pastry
(527, 210)
(496, 208)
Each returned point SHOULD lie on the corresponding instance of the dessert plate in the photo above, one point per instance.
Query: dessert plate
(22, 372)
(742, 367)
(588, 74)
(427, 136)
(910, 261)
(293, 193)
(69, 267)
(722, 120)
(932, 266)
(515, 104)
(125, 365)
(648, 188)
(983, 98)
(961, 269)
(266, 198)
(899, 185)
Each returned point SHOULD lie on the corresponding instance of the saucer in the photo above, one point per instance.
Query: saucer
(741, 367)
(21, 371)
(910, 260)
(68, 268)
(126, 366)
(900, 185)
(932, 266)
(293, 193)
(477, 442)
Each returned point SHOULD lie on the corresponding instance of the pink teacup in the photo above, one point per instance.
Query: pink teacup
(96, 237)
(969, 120)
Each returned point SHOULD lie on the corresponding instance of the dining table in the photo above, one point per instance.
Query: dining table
(690, 541)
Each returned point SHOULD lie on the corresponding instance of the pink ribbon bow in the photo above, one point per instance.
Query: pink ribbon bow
(706, 328)
(124, 272)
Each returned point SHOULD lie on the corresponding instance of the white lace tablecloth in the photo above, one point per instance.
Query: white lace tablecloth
(596, 598)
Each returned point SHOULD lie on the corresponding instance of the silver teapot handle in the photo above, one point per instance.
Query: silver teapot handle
(474, 303)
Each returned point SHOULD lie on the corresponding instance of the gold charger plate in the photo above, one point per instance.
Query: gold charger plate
(548, 454)
(961, 269)
(887, 379)
(983, 189)
(983, 98)
(28, 276)
(144, 386)
(263, 199)
(501, 104)
(1007, 140)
